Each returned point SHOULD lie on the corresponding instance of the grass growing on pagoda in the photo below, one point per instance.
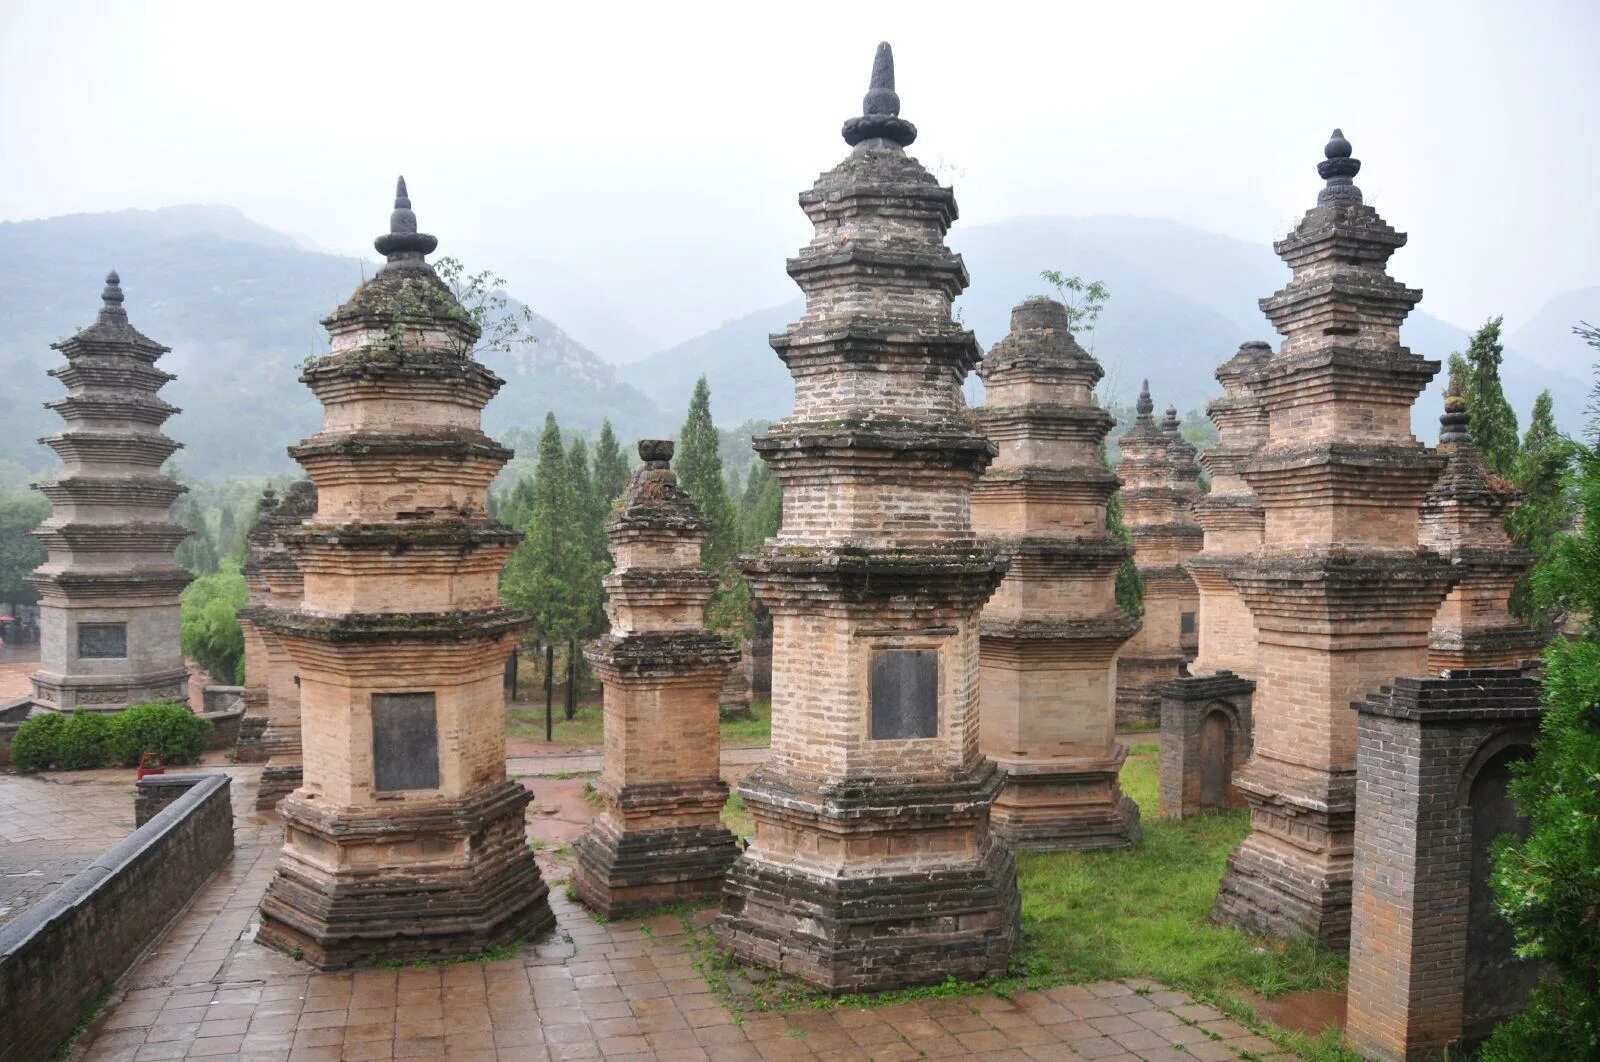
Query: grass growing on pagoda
(1144, 912)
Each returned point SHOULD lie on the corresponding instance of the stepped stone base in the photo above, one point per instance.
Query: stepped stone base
(68, 693)
(1064, 805)
(248, 749)
(619, 874)
(278, 780)
(405, 882)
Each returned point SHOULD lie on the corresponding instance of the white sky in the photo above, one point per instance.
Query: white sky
(648, 157)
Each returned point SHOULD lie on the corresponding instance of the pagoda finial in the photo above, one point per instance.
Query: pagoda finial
(1146, 405)
(880, 109)
(1455, 426)
(403, 242)
(1339, 169)
(1171, 424)
(111, 310)
(656, 453)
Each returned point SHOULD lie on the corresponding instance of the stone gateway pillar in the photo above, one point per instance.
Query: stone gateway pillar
(659, 837)
(1052, 631)
(405, 840)
(873, 866)
(108, 591)
(1341, 593)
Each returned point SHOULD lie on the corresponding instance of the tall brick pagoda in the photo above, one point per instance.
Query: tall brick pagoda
(1230, 515)
(254, 697)
(659, 836)
(1050, 634)
(276, 583)
(108, 591)
(1159, 485)
(405, 839)
(1341, 593)
(873, 866)
(1463, 518)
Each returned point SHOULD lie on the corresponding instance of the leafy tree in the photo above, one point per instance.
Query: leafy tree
(197, 553)
(501, 324)
(611, 475)
(1494, 423)
(20, 552)
(1084, 299)
(1542, 469)
(211, 634)
(1130, 584)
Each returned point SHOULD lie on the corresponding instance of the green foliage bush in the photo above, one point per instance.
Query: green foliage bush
(211, 631)
(165, 727)
(83, 741)
(34, 746)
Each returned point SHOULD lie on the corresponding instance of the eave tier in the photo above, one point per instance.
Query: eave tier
(897, 580)
(138, 584)
(1505, 643)
(879, 344)
(1006, 366)
(103, 408)
(1358, 474)
(416, 373)
(877, 804)
(122, 449)
(1223, 459)
(1085, 484)
(1176, 535)
(880, 184)
(81, 537)
(872, 448)
(1346, 304)
(1039, 642)
(1043, 420)
(881, 267)
(660, 655)
(393, 627)
(1480, 562)
(114, 372)
(1044, 556)
(1229, 512)
(1345, 374)
(460, 445)
(1167, 580)
(155, 492)
(446, 535)
(1359, 594)
(647, 583)
(105, 341)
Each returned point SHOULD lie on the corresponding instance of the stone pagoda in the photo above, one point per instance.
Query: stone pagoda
(1230, 516)
(276, 584)
(1463, 518)
(873, 866)
(108, 592)
(258, 540)
(659, 837)
(405, 839)
(1341, 593)
(1159, 486)
(1050, 634)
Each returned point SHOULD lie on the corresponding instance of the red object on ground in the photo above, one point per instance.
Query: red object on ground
(150, 763)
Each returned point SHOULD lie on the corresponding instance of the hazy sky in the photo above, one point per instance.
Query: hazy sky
(647, 158)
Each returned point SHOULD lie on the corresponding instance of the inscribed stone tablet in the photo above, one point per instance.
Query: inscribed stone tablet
(405, 742)
(102, 641)
(905, 693)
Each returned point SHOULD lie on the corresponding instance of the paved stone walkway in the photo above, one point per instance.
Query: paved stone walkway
(53, 826)
(626, 990)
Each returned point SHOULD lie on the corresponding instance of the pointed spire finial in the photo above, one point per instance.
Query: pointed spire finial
(880, 109)
(111, 300)
(1145, 406)
(1339, 169)
(1171, 424)
(403, 242)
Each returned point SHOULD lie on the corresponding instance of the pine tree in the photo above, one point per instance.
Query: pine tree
(196, 553)
(229, 542)
(1542, 470)
(1494, 423)
(541, 577)
(760, 508)
(611, 475)
(699, 467)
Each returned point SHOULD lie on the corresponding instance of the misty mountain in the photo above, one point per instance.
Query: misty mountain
(1182, 300)
(1547, 336)
(239, 303)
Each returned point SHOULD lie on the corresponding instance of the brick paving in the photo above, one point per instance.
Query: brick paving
(53, 826)
(625, 990)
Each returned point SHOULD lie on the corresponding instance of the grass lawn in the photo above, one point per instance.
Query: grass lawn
(526, 721)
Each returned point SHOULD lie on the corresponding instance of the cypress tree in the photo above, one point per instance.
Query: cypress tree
(197, 552)
(760, 508)
(1543, 466)
(611, 475)
(699, 468)
(539, 579)
(1494, 423)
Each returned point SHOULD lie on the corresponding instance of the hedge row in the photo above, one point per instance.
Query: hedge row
(86, 740)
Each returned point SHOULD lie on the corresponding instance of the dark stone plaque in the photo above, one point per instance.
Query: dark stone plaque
(904, 693)
(102, 641)
(405, 742)
(1186, 623)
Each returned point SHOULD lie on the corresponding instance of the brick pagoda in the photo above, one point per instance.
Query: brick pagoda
(873, 866)
(1159, 486)
(108, 592)
(1464, 519)
(1341, 593)
(1050, 634)
(406, 839)
(254, 694)
(659, 837)
(276, 583)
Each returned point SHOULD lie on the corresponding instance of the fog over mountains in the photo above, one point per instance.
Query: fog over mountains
(240, 303)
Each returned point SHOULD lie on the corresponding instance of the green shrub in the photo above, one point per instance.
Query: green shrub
(211, 633)
(34, 746)
(82, 742)
(164, 727)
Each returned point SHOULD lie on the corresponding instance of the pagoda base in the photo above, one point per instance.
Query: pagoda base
(69, 693)
(1292, 876)
(404, 881)
(1510, 648)
(915, 891)
(1138, 695)
(248, 748)
(621, 873)
(1064, 805)
(278, 780)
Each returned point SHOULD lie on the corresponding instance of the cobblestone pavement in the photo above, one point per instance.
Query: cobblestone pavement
(624, 990)
(52, 827)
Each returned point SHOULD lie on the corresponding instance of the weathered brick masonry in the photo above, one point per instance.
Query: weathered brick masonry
(873, 866)
(406, 838)
(1050, 634)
